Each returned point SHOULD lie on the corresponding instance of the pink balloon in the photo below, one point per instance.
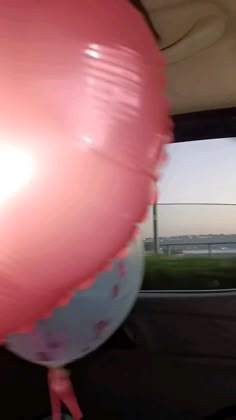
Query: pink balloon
(83, 124)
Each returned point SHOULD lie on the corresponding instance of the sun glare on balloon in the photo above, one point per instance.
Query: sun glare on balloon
(16, 170)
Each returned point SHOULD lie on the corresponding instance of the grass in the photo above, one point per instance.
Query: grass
(189, 273)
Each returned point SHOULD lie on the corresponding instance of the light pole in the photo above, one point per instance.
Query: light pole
(155, 229)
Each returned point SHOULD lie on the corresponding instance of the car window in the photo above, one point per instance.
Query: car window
(190, 237)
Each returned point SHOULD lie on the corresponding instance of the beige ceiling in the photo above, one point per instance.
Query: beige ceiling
(198, 39)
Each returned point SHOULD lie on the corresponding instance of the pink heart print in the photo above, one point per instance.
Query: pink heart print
(115, 291)
(98, 329)
(122, 269)
(51, 347)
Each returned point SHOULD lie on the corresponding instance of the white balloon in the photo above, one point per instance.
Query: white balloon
(90, 318)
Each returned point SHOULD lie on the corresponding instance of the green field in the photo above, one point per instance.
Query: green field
(189, 273)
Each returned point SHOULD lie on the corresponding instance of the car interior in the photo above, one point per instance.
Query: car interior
(175, 355)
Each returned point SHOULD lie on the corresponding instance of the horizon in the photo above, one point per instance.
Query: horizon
(201, 234)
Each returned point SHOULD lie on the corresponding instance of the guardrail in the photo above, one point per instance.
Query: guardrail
(167, 247)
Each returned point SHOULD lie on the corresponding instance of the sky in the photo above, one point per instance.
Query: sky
(197, 172)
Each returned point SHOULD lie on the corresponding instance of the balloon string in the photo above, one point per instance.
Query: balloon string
(61, 391)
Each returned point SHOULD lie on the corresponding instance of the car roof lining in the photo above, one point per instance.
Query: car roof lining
(202, 125)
